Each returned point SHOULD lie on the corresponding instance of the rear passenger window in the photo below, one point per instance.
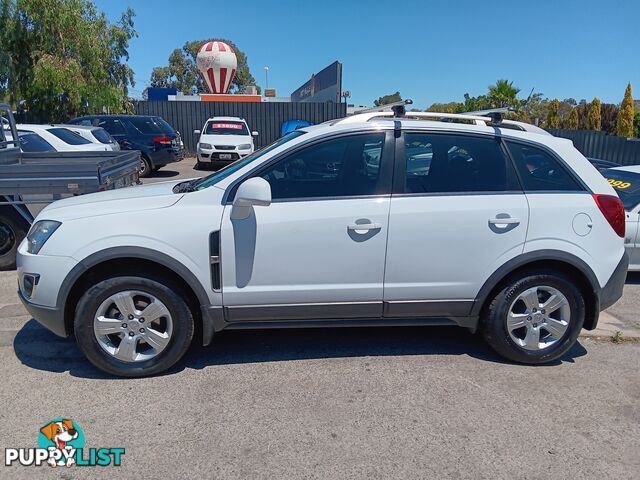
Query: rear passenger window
(114, 127)
(455, 163)
(539, 171)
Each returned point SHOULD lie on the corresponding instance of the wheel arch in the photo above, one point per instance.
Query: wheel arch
(128, 260)
(555, 260)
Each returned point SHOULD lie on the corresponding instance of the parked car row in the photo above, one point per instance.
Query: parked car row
(158, 142)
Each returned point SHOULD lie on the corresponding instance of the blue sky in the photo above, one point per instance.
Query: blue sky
(430, 50)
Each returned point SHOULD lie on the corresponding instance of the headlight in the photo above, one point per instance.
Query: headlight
(39, 234)
(244, 146)
(205, 146)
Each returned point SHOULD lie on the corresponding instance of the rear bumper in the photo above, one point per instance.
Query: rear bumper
(612, 291)
(166, 156)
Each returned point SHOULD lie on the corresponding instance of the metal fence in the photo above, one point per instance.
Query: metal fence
(625, 151)
(264, 117)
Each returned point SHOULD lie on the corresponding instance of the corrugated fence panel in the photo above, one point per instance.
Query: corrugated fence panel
(264, 117)
(625, 151)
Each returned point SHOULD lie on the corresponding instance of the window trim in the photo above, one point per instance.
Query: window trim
(399, 186)
(387, 162)
(561, 162)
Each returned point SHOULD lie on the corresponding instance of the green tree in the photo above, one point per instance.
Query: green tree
(553, 119)
(636, 125)
(451, 107)
(572, 123)
(625, 127)
(393, 97)
(503, 94)
(594, 119)
(63, 57)
(609, 118)
(182, 72)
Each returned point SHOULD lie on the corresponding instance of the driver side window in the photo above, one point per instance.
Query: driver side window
(340, 167)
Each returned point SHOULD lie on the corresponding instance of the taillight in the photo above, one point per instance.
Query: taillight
(613, 210)
(164, 140)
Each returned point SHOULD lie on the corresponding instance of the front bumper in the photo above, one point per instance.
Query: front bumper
(49, 317)
(214, 156)
(45, 301)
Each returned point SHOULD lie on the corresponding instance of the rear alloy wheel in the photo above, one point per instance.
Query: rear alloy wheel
(535, 318)
(145, 167)
(133, 326)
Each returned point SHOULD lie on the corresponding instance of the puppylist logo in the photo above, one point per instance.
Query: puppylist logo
(61, 443)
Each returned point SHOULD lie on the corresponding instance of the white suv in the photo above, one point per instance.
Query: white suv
(364, 221)
(223, 140)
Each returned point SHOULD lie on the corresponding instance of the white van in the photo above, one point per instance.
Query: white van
(224, 140)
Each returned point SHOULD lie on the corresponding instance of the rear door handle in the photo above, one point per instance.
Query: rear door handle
(504, 221)
(364, 226)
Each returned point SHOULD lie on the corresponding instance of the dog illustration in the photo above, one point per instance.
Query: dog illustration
(60, 433)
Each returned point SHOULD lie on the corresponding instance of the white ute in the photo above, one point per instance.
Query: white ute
(364, 221)
(223, 140)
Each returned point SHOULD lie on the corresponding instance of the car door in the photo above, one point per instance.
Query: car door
(317, 251)
(457, 214)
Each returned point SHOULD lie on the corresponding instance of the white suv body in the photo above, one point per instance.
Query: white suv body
(371, 221)
(223, 140)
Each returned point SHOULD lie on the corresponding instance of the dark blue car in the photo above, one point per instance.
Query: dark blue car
(157, 141)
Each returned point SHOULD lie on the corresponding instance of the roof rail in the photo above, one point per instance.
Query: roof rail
(388, 106)
(365, 117)
(490, 117)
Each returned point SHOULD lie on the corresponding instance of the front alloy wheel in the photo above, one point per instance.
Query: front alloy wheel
(134, 325)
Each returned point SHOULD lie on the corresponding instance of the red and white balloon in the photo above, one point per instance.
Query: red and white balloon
(217, 64)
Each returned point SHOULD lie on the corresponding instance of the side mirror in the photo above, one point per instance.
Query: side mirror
(254, 192)
(196, 132)
(254, 133)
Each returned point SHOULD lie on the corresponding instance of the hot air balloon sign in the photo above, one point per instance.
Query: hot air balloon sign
(217, 64)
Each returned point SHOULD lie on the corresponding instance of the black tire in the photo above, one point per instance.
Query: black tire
(494, 317)
(13, 229)
(145, 166)
(199, 165)
(183, 325)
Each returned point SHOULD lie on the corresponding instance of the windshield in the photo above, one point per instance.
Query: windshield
(220, 127)
(223, 173)
(626, 185)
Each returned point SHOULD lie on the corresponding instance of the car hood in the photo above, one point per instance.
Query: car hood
(226, 139)
(136, 198)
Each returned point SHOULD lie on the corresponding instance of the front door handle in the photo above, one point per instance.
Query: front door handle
(504, 221)
(364, 226)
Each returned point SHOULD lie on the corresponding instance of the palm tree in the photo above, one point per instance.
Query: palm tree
(503, 94)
